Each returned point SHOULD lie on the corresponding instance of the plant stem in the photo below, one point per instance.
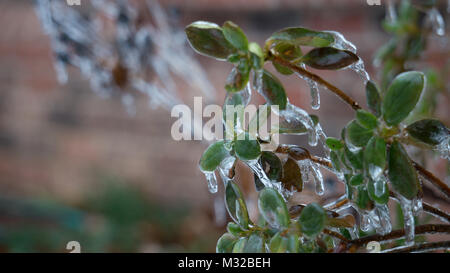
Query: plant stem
(430, 228)
(432, 178)
(341, 94)
(421, 247)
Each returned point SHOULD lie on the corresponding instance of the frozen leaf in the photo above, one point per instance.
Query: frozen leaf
(362, 199)
(366, 119)
(234, 34)
(329, 58)
(375, 157)
(356, 180)
(225, 243)
(302, 37)
(213, 156)
(354, 158)
(208, 39)
(334, 143)
(429, 131)
(292, 175)
(238, 78)
(270, 161)
(402, 173)
(273, 208)
(255, 244)
(373, 98)
(257, 55)
(374, 187)
(402, 96)
(240, 245)
(312, 219)
(357, 134)
(234, 201)
(234, 229)
(246, 148)
(284, 243)
(273, 91)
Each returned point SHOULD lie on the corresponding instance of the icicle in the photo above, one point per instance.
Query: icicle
(341, 43)
(305, 169)
(437, 21)
(212, 181)
(444, 148)
(380, 219)
(314, 90)
(318, 178)
(225, 168)
(260, 173)
(408, 218)
(359, 68)
(417, 205)
(294, 114)
(391, 13)
(380, 186)
(364, 221)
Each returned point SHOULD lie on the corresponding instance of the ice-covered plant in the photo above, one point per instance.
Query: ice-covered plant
(369, 156)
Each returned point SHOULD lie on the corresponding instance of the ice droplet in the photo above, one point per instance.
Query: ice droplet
(408, 218)
(212, 181)
(417, 205)
(437, 21)
(444, 148)
(294, 114)
(380, 185)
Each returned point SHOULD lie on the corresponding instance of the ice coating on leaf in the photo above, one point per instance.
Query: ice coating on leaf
(434, 17)
(444, 148)
(212, 181)
(364, 221)
(380, 186)
(408, 218)
(380, 219)
(391, 13)
(294, 114)
(225, 168)
(359, 68)
(340, 42)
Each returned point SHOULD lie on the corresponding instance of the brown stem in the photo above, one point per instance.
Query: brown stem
(433, 179)
(336, 235)
(430, 228)
(436, 212)
(341, 94)
(421, 247)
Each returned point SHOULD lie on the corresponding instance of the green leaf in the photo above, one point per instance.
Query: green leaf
(334, 143)
(207, 39)
(373, 98)
(213, 156)
(384, 198)
(312, 219)
(257, 55)
(278, 244)
(292, 175)
(357, 180)
(366, 119)
(357, 134)
(225, 243)
(402, 96)
(255, 244)
(302, 37)
(234, 34)
(335, 161)
(282, 69)
(273, 91)
(429, 131)
(375, 157)
(234, 201)
(271, 160)
(246, 148)
(240, 245)
(329, 58)
(402, 173)
(234, 229)
(238, 78)
(355, 159)
(362, 199)
(287, 51)
(273, 208)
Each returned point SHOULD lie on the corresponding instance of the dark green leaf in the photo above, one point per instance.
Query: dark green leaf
(335, 161)
(273, 91)
(357, 134)
(234, 34)
(334, 143)
(273, 208)
(225, 243)
(274, 163)
(362, 200)
(366, 119)
(234, 201)
(208, 39)
(357, 180)
(402, 96)
(402, 173)
(238, 78)
(429, 131)
(247, 148)
(292, 176)
(329, 58)
(312, 219)
(213, 156)
(375, 157)
(302, 37)
(384, 198)
(373, 98)
(355, 159)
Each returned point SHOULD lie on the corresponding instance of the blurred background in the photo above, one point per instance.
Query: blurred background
(75, 166)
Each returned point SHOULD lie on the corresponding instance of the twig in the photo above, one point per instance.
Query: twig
(430, 228)
(436, 212)
(420, 248)
(341, 94)
(336, 235)
(432, 178)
